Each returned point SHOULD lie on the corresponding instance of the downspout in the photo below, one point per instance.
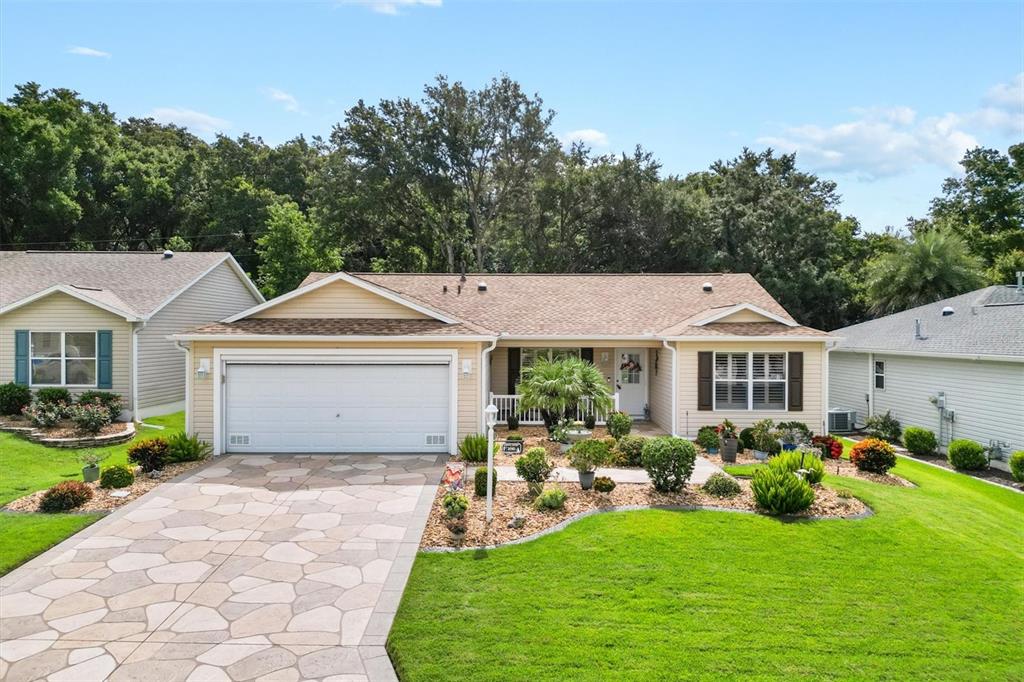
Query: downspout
(485, 380)
(675, 385)
(136, 328)
(188, 384)
(871, 384)
(829, 345)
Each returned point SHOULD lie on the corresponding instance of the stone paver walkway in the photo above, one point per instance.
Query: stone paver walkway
(264, 568)
(702, 471)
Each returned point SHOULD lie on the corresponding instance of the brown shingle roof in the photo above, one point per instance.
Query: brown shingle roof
(746, 329)
(334, 327)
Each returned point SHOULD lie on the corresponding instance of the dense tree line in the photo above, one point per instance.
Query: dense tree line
(477, 179)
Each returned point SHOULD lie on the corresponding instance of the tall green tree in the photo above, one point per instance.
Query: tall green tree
(287, 250)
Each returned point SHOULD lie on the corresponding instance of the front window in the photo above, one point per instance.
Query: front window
(880, 375)
(63, 358)
(528, 356)
(750, 381)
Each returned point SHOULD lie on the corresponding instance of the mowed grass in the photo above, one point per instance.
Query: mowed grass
(27, 467)
(930, 587)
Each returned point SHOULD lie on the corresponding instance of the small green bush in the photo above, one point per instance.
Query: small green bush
(185, 448)
(14, 398)
(111, 401)
(589, 422)
(778, 491)
(920, 441)
(89, 417)
(513, 422)
(551, 499)
(117, 476)
(631, 448)
(747, 438)
(966, 455)
(54, 394)
(721, 485)
(603, 484)
(794, 432)
(619, 424)
(707, 438)
(669, 462)
(480, 482)
(534, 467)
(65, 496)
(587, 455)
(884, 427)
(514, 436)
(474, 448)
(874, 455)
(149, 454)
(455, 505)
(795, 460)
(1017, 466)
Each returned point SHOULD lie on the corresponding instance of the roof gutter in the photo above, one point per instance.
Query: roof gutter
(930, 354)
(485, 380)
(328, 338)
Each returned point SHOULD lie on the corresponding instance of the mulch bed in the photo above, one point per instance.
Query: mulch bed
(101, 500)
(511, 500)
(534, 436)
(836, 467)
(64, 428)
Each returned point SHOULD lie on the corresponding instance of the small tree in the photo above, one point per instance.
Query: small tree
(557, 387)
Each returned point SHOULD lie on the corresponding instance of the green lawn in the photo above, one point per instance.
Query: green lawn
(27, 467)
(928, 588)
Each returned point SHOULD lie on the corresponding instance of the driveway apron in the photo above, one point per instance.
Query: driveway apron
(255, 567)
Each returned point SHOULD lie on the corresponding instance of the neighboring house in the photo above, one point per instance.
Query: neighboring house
(100, 320)
(406, 362)
(955, 367)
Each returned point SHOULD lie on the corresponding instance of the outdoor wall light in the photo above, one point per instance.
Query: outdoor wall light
(203, 370)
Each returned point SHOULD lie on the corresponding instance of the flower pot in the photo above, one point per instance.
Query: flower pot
(91, 473)
(587, 479)
(789, 446)
(534, 489)
(760, 455)
(564, 447)
(712, 451)
(729, 449)
(576, 435)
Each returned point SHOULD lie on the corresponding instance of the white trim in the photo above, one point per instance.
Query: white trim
(222, 356)
(485, 381)
(675, 385)
(188, 385)
(74, 293)
(711, 338)
(871, 384)
(581, 337)
(449, 338)
(350, 279)
(741, 307)
(234, 266)
(824, 388)
(136, 328)
(929, 354)
(63, 358)
(750, 380)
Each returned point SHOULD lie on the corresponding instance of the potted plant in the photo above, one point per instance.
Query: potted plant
(590, 421)
(707, 438)
(455, 504)
(560, 434)
(763, 438)
(576, 432)
(727, 434)
(534, 468)
(91, 470)
(556, 388)
(513, 422)
(585, 456)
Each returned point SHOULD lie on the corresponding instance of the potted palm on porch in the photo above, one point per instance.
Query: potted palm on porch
(556, 388)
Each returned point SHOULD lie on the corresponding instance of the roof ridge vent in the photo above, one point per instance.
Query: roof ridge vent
(168, 253)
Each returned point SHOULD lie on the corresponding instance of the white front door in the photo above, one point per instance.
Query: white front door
(631, 379)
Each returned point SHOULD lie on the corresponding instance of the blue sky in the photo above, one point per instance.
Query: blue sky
(882, 98)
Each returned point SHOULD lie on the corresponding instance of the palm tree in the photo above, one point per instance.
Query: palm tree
(557, 387)
(935, 264)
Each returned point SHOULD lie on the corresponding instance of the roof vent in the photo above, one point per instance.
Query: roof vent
(707, 286)
(918, 334)
(481, 286)
(947, 311)
(168, 254)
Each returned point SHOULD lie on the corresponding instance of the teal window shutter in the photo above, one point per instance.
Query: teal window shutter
(21, 357)
(104, 358)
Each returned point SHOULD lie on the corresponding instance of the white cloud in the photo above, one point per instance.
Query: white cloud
(87, 51)
(1007, 95)
(391, 7)
(590, 136)
(197, 121)
(286, 99)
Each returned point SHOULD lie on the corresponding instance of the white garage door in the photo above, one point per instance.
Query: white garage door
(336, 408)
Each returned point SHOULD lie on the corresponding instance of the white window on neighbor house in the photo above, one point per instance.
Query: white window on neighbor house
(527, 356)
(880, 375)
(63, 358)
(750, 381)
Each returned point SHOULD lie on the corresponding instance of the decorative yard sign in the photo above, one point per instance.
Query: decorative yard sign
(452, 477)
(512, 447)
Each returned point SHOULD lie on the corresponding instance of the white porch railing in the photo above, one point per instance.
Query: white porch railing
(508, 405)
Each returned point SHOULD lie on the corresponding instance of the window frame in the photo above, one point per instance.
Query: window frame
(876, 375)
(534, 351)
(63, 358)
(750, 381)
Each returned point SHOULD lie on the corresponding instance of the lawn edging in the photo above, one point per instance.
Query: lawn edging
(34, 435)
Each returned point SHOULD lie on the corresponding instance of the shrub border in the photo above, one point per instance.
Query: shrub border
(34, 435)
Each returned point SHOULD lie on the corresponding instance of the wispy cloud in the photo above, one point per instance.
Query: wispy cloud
(196, 121)
(590, 136)
(288, 100)
(392, 7)
(87, 52)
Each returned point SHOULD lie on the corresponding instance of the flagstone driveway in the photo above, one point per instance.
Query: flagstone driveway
(262, 568)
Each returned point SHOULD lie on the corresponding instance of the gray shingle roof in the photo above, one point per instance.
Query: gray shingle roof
(988, 321)
(136, 282)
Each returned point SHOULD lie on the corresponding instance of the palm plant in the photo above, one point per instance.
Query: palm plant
(557, 387)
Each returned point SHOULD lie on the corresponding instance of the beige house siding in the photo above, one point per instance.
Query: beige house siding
(499, 370)
(660, 377)
(690, 418)
(470, 410)
(219, 294)
(340, 299)
(59, 312)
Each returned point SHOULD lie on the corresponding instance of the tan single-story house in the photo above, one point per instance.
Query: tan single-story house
(100, 320)
(361, 362)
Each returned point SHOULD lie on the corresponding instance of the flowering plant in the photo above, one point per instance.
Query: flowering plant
(726, 430)
(90, 417)
(45, 414)
(829, 446)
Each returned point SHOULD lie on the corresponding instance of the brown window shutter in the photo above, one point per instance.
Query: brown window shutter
(513, 369)
(587, 354)
(796, 382)
(705, 380)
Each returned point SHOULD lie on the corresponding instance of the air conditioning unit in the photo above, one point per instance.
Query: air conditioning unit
(841, 420)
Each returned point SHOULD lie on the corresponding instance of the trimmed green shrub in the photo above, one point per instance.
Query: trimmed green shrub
(550, 499)
(1017, 466)
(669, 462)
(534, 468)
(149, 454)
(778, 491)
(966, 455)
(619, 424)
(513, 422)
(474, 448)
(53, 394)
(747, 438)
(589, 422)
(111, 401)
(117, 476)
(721, 485)
(920, 441)
(603, 484)
(884, 427)
(707, 438)
(587, 455)
(89, 417)
(795, 460)
(480, 482)
(630, 449)
(794, 432)
(14, 398)
(514, 436)
(455, 505)
(45, 415)
(184, 448)
(65, 496)
(874, 455)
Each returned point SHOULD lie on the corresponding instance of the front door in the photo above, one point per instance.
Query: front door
(631, 379)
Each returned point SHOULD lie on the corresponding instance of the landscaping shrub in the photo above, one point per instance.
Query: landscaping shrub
(89, 417)
(514, 436)
(619, 424)
(830, 447)
(45, 415)
(474, 448)
(603, 484)
(884, 427)
(111, 401)
(480, 482)
(794, 461)
(551, 499)
(707, 438)
(589, 422)
(53, 395)
(558, 387)
(630, 449)
(872, 454)
(1017, 466)
(778, 491)
(794, 432)
(513, 422)
(587, 455)
(148, 454)
(669, 462)
(966, 455)
(721, 485)
(117, 476)
(747, 438)
(184, 448)
(766, 439)
(65, 496)
(14, 398)
(455, 505)
(534, 468)
(920, 441)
